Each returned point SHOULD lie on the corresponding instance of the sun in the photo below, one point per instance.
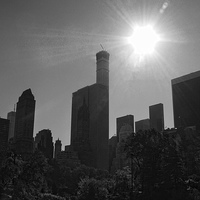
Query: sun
(144, 39)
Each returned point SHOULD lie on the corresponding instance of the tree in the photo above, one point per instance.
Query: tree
(122, 179)
(10, 170)
(31, 181)
(90, 188)
(158, 164)
(145, 150)
(47, 196)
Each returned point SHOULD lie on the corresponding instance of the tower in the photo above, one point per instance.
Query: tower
(156, 115)
(102, 72)
(11, 118)
(4, 128)
(90, 117)
(24, 124)
(186, 100)
(58, 147)
(121, 121)
(142, 125)
(44, 142)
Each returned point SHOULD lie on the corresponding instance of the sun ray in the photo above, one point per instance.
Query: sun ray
(53, 46)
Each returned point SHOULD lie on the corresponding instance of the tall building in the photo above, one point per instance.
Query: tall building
(4, 129)
(58, 148)
(156, 115)
(24, 124)
(11, 118)
(142, 125)
(44, 143)
(112, 143)
(121, 161)
(186, 100)
(68, 157)
(121, 121)
(90, 117)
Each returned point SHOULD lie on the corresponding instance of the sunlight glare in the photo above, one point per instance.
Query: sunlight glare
(144, 40)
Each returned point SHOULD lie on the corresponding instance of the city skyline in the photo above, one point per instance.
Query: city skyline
(50, 47)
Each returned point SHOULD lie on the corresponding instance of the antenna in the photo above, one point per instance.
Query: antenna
(101, 46)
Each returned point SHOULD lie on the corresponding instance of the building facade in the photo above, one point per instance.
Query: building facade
(58, 148)
(11, 117)
(121, 161)
(90, 117)
(156, 115)
(186, 100)
(121, 121)
(142, 125)
(112, 150)
(44, 143)
(24, 124)
(68, 157)
(4, 130)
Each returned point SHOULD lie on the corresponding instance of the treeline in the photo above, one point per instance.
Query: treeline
(162, 166)
(165, 166)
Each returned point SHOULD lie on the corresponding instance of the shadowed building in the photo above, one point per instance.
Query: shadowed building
(112, 150)
(114, 142)
(44, 143)
(142, 125)
(121, 121)
(156, 115)
(121, 161)
(11, 117)
(186, 100)
(68, 157)
(90, 117)
(58, 147)
(4, 130)
(24, 124)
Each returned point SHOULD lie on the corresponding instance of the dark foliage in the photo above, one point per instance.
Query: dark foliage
(163, 166)
(160, 164)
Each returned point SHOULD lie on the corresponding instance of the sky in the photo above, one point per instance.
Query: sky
(50, 47)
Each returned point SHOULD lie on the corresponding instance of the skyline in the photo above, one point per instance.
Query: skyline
(46, 45)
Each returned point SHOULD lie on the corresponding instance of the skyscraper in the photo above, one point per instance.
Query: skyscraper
(142, 125)
(112, 150)
(24, 124)
(121, 121)
(90, 117)
(58, 147)
(11, 118)
(4, 129)
(68, 157)
(186, 100)
(44, 142)
(121, 160)
(156, 115)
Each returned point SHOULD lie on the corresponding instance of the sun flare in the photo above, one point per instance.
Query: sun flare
(144, 40)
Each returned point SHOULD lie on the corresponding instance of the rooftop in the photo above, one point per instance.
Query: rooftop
(186, 77)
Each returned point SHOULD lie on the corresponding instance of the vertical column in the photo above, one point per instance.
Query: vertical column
(102, 73)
